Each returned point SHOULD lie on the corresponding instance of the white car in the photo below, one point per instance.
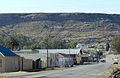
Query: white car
(115, 61)
(102, 60)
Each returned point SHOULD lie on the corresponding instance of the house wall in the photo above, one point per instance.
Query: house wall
(90, 58)
(43, 63)
(2, 64)
(11, 63)
(85, 59)
(65, 61)
(78, 58)
(53, 60)
(26, 64)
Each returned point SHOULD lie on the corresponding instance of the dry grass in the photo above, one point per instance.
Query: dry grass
(108, 73)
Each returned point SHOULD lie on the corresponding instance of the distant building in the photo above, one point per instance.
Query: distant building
(87, 58)
(110, 50)
(79, 46)
(90, 46)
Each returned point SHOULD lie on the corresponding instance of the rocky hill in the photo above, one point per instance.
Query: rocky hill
(85, 27)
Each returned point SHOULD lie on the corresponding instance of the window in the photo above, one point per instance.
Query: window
(0, 62)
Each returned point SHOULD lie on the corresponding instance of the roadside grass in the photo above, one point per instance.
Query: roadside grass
(46, 69)
(37, 70)
(10, 72)
(2, 77)
(27, 72)
(108, 73)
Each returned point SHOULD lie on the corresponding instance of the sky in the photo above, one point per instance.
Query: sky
(58, 6)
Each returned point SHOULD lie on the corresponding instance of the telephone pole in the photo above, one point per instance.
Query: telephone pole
(69, 50)
(47, 52)
(47, 45)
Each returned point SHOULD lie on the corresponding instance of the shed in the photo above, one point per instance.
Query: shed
(39, 60)
(26, 64)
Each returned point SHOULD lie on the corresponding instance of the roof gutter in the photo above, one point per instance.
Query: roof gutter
(2, 54)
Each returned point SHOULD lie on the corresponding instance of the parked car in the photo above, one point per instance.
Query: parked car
(115, 61)
(102, 60)
(95, 60)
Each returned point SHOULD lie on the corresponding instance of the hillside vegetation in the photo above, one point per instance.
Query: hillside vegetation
(85, 27)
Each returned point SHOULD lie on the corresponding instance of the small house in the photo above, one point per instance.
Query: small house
(9, 61)
(64, 59)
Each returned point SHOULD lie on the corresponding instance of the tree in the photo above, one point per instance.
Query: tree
(12, 42)
(19, 41)
(73, 44)
(25, 47)
(115, 44)
(107, 46)
(100, 53)
(1, 40)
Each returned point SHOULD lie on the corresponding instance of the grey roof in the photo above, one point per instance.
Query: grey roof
(65, 51)
(33, 56)
(6, 52)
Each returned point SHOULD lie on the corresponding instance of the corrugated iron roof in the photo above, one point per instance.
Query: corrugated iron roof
(65, 51)
(6, 52)
(63, 55)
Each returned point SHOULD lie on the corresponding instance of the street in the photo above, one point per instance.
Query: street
(81, 71)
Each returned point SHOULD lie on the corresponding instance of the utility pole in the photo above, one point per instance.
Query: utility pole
(47, 46)
(47, 52)
(69, 51)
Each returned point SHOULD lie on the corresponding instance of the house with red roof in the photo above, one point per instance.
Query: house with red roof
(65, 59)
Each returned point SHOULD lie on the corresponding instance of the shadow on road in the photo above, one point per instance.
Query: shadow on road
(46, 77)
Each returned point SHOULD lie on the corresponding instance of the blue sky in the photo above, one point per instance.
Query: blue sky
(51, 6)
